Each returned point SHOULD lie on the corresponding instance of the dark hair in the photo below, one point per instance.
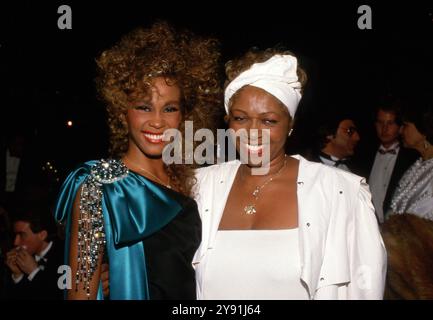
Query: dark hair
(328, 126)
(422, 117)
(390, 104)
(38, 215)
(125, 72)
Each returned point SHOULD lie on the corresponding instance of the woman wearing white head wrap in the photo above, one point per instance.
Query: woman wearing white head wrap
(302, 230)
(277, 76)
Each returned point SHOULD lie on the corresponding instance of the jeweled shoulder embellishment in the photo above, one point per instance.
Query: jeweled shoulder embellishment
(109, 171)
(91, 233)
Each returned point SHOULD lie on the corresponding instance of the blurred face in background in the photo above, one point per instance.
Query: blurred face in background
(411, 136)
(24, 237)
(387, 129)
(345, 140)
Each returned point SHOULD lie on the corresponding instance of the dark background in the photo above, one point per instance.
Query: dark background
(47, 74)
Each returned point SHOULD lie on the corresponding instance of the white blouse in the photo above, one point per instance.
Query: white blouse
(255, 264)
(342, 255)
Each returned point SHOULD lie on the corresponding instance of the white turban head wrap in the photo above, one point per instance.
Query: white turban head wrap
(276, 76)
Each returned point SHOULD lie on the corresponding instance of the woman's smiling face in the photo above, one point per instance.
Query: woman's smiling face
(254, 108)
(147, 120)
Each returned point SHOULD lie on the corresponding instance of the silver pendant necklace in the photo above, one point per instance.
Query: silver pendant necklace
(251, 208)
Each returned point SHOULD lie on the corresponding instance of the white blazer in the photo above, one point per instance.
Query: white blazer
(341, 249)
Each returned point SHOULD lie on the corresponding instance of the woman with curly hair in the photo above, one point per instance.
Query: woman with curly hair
(302, 230)
(134, 211)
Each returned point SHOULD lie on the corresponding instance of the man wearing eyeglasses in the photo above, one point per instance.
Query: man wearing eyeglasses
(337, 138)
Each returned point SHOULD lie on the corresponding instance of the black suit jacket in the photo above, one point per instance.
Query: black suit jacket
(405, 158)
(44, 285)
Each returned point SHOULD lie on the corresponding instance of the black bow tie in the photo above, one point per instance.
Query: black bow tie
(336, 162)
(391, 151)
(42, 262)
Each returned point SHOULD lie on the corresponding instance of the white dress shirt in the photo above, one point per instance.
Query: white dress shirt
(380, 177)
(342, 255)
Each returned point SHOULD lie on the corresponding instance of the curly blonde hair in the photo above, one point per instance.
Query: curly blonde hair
(236, 66)
(125, 72)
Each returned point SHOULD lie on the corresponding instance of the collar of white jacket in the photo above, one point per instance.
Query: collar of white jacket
(276, 76)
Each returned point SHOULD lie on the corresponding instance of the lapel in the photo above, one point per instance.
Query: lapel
(223, 183)
(303, 184)
(395, 177)
(321, 211)
(312, 236)
(405, 158)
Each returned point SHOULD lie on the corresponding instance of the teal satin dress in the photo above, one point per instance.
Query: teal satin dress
(151, 232)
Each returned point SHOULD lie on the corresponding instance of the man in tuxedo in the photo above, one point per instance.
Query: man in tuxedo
(34, 260)
(389, 160)
(336, 140)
